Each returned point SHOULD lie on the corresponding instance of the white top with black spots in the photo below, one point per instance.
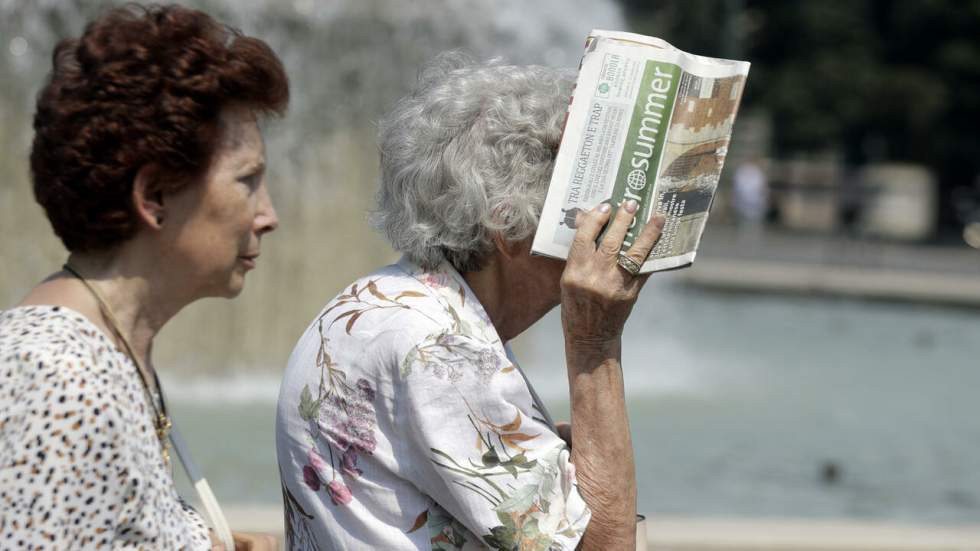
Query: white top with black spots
(80, 463)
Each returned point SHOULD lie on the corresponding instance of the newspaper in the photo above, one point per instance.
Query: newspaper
(647, 122)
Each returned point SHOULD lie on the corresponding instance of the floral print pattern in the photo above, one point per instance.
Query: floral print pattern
(400, 392)
(342, 421)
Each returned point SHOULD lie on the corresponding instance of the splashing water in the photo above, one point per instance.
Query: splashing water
(348, 60)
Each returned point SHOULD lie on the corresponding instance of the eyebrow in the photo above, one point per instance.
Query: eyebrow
(253, 167)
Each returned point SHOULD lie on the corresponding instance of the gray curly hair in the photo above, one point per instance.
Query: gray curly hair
(467, 155)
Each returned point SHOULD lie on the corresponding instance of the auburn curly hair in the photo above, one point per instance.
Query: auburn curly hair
(142, 86)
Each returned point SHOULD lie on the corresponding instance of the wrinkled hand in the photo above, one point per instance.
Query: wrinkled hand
(597, 295)
(248, 541)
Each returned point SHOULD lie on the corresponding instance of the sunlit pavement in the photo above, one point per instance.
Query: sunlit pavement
(696, 534)
(730, 258)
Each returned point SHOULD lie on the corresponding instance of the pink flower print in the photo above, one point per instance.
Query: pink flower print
(364, 390)
(362, 435)
(348, 419)
(339, 494)
(316, 461)
(436, 280)
(339, 437)
(348, 464)
(311, 478)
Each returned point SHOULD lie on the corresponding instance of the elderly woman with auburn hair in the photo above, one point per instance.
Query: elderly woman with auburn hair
(404, 419)
(149, 164)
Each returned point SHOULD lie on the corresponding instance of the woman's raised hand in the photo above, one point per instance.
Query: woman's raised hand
(597, 294)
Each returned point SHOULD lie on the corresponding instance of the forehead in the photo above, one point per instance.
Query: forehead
(240, 140)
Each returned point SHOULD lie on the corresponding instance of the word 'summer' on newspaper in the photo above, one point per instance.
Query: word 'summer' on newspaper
(647, 122)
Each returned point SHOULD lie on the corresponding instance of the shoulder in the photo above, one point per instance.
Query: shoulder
(388, 308)
(30, 326)
(368, 331)
(62, 375)
(54, 362)
(50, 343)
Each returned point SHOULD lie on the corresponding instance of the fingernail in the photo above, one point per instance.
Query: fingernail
(630, 206)
(604, 208)
(659, 220)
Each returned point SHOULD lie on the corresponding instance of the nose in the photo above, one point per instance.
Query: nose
(266, 219)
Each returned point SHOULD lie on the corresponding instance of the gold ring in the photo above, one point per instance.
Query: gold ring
(628, 264)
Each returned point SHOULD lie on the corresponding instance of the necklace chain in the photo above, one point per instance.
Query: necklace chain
(161, 420)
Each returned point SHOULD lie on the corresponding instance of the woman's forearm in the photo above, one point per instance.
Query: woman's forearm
(602, 451)
(597, 295)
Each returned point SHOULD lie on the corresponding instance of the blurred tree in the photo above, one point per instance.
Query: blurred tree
(873, 80)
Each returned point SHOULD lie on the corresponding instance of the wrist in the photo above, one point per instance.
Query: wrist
(610, 535)
(586, 356)
(592, 343)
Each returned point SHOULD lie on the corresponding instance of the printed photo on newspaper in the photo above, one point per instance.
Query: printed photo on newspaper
(647, 122)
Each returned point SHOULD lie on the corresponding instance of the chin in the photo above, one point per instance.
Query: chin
(233, 286)
(233, 292)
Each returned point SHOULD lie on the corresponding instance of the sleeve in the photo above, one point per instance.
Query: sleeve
(477, 448)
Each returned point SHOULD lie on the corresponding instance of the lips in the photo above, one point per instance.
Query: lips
(249, 259)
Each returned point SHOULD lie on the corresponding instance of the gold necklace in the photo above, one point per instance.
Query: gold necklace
(162, 421)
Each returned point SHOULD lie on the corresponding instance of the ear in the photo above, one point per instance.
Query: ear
(147, 198)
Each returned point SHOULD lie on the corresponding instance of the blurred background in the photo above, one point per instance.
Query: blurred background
(819, 362)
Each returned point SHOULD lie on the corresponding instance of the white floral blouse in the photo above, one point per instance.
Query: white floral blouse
(404, 423)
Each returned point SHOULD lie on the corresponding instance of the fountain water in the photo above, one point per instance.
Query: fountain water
(347, 60)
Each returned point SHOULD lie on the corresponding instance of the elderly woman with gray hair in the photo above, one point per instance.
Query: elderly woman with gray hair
(404, 419)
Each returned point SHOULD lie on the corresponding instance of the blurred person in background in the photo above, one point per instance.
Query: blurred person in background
(404, 421)
(149, 163)
(751, 201)
(751, 193)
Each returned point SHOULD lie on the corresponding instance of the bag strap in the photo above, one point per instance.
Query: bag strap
(203, 489)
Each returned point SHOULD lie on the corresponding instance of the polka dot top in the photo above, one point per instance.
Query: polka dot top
(80, 463)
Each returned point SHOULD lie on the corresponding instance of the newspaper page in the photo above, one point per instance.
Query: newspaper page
(647, 122)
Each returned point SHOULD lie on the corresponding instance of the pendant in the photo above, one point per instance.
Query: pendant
(163, 431)
(163, 426)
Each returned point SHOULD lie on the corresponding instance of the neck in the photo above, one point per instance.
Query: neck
(511, 303)
(134, 290)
